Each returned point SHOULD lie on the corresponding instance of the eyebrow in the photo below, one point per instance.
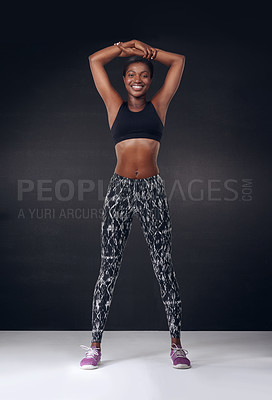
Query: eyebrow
(131, 70)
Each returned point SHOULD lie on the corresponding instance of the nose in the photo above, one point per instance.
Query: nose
(137, 78)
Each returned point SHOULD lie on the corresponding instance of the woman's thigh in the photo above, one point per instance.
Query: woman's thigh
(116, 217)
(154, 215)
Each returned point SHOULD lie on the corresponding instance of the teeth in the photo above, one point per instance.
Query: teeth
(137, 86)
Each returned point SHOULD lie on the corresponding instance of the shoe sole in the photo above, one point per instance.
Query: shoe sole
(89, 366)
(179, 366)
(182, 366)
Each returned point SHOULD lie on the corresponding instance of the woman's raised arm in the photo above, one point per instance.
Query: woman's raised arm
(103, 85)
(176, 63)
(97, 61)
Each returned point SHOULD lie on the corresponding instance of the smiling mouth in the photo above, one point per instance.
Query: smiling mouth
(137, 87)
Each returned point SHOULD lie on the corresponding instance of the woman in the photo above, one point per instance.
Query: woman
(136, 187)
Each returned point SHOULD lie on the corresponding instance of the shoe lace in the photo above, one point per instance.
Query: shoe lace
(178, 351)
(91, 351)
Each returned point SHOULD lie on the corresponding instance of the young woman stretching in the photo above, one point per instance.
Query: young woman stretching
(136, 187)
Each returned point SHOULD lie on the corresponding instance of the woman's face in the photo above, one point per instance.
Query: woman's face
(137, 79)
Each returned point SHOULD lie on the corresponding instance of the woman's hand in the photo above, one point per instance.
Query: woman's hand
(128, 51)
(149, 52)
(135, 47)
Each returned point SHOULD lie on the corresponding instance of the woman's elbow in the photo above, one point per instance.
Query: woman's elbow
(91, 57)
(179, 58)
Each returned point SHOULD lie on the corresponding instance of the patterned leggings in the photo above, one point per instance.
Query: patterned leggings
(146, 198)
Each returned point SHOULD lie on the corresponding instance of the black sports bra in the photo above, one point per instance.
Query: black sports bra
(139, 124)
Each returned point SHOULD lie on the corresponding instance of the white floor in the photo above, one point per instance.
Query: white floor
(135, 365)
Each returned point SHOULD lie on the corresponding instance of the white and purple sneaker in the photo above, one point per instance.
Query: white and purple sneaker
(178, 357)
(92, 357)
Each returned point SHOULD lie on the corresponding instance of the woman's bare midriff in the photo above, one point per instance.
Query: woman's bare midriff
(137, 158)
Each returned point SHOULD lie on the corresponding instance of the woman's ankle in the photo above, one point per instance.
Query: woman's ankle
(96, 344)
(175, 341)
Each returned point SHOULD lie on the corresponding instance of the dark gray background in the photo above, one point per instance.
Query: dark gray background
(54, 126)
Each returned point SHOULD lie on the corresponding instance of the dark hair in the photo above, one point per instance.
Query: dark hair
(134, 59)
